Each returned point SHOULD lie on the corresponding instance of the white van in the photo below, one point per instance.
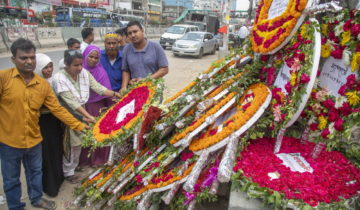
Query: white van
(175, 32)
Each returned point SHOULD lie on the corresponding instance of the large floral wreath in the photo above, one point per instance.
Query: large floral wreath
(298, 55)
(268, 34)
(333, 178)
(248, 105)
(340, 38)
(124, 117)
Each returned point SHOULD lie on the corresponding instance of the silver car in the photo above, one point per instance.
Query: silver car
(195, 44)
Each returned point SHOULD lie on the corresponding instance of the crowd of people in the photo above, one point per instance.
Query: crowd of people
(43, 115)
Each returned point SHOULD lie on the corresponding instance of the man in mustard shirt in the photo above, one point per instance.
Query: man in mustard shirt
(22, 93)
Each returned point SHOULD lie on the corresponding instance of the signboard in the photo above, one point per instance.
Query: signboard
(283, 78)
(295, 162)
(277, 8)
(102, 2)
(56, 2)
(333, 75)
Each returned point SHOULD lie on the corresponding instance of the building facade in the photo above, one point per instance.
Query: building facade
(170, 13)
(207, 4)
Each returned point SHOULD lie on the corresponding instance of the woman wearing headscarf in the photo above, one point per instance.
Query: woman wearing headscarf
(73, 85)
(91, 62)
(52, 132)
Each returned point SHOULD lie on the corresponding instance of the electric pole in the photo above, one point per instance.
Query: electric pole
(226, 19)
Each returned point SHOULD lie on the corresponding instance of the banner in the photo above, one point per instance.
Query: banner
(56, 2)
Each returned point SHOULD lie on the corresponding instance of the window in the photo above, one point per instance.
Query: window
(210, 36)
(187, 30)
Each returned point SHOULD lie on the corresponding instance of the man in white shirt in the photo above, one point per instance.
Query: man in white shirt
(88, 37)
(243, 33)
(72, 44)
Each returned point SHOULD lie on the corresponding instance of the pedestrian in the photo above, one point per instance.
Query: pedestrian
(72, 44)
(52, 132)
(243, 33)
(91, 63)
(22, 94)
(121, 32)
(88, 37)
(142, 57)
(72, 86)
(111, 60)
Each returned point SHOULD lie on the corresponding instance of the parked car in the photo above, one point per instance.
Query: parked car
(195, 44)
(234, 40)
(175, 32)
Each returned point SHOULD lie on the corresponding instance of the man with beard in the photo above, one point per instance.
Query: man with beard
(142, 57)
(111, 60)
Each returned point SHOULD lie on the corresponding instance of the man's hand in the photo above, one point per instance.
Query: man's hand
(135, 80)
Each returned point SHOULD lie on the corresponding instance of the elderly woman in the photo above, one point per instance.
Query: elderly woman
(91, 62)
(52, 132)
(73, 85)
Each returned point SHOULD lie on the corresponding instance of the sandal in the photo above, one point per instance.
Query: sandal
(45, 204)
(73, 179)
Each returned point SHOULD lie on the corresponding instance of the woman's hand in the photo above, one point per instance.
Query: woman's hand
(117, 94)
(89, 119)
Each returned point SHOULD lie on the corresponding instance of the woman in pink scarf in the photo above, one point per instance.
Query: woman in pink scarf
(91, 62)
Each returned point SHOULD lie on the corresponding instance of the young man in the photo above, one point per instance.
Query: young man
(142, 57)
(111, 59)
(243, 33)
(72, 44)
(88, 37)
(122, 37)
(20, 138)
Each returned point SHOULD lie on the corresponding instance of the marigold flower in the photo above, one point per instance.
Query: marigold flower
(293, 79)
(325, 50)
(353, 98)
(355, 62)
(322, 122)
(345, 37)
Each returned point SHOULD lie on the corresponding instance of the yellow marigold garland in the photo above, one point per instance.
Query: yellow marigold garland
(100, 137)
(292, 10)
(158, 185)
(174, 179)
(223, 86)
(133, 195)
(237, 120)
(202, 119)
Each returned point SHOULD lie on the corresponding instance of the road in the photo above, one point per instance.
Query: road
(182, 70)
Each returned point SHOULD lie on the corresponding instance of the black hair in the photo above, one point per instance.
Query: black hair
(70, 42)
(22, 44)
(71, 55)
(86, 32)
(121, 31)
(134, 23)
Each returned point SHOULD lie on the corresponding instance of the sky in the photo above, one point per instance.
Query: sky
(242, 5)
